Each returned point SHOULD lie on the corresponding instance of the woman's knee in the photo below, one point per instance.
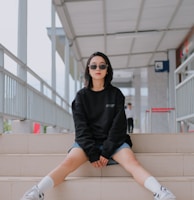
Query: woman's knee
(127, 159)
(73, 160)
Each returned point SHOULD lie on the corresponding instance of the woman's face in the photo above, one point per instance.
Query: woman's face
(97, 68)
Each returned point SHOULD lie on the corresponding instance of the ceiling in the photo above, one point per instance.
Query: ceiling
(133, 33)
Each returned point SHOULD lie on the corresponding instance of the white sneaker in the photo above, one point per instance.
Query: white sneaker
(164, 195)
(33, 194)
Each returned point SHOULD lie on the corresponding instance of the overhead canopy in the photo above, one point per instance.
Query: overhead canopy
(133, 33)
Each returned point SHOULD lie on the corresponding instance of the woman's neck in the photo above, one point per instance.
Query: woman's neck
(98, 86)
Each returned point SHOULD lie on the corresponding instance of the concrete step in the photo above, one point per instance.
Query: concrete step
(96, 188)
(25, 158)
(35, 144)
(60, 143)
(163, 143)
(159, 164)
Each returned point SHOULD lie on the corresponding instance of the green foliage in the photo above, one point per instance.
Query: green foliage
(6, 127)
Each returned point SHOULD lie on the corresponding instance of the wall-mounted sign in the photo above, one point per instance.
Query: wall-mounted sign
(162, 66)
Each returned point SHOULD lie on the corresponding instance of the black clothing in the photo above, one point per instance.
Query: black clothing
(130, 124)
(100, 119)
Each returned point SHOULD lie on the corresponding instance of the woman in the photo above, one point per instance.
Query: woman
(100, 130)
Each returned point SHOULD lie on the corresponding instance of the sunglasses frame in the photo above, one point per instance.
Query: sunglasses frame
(99, 66)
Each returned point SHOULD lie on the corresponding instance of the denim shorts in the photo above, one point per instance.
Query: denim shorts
(111, 161)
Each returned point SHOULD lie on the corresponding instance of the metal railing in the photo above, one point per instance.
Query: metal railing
(184, 91)
(31, 99)
(166, 117)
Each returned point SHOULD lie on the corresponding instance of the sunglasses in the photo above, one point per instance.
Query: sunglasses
(102, 66)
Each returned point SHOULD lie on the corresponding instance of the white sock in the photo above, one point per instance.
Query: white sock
(45, 184)
(152, 184)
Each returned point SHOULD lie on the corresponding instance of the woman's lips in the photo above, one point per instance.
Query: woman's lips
(98, 73)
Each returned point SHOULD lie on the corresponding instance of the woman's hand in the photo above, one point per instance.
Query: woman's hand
(103, 160)
(100, 163)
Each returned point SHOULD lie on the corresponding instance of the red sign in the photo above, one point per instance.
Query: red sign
(36, 128)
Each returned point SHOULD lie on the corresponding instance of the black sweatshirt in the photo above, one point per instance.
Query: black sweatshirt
(100, 119)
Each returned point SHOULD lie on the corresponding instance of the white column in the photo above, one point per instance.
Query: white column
(22, 37)
(81, 78)
(137, 102)
(67, 54)
(22, 55)
(1, 90)
(75, 75)
(1, 124)
(53, 53)
(158, 97)
(171, 88)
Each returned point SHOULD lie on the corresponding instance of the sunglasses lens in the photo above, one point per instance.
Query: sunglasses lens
(93, 66)
(102, 66)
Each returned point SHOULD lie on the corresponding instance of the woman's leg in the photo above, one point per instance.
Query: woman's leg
(74, 159)
(126, 158)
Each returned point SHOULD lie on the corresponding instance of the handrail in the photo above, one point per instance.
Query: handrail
(168, 121)
(20, 99)
(184, 96)
(18, 61)
(184, 64)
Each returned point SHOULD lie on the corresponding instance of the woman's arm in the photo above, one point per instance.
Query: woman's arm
(117, 132)
(82, 130)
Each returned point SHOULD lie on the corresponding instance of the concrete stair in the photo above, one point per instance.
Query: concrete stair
(25, 158)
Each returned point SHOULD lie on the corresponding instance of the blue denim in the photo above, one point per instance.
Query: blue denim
(111, 161)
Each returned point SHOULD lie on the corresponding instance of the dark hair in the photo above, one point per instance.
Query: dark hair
(109, 75)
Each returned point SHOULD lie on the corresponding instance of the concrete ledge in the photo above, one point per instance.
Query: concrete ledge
(60, 143)
(163, 143)
(34, 144)
(96, 188)
(172, 164)
(24, 158)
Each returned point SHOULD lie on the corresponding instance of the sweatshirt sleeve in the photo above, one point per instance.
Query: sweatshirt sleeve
(82, 130)
(117, 132)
